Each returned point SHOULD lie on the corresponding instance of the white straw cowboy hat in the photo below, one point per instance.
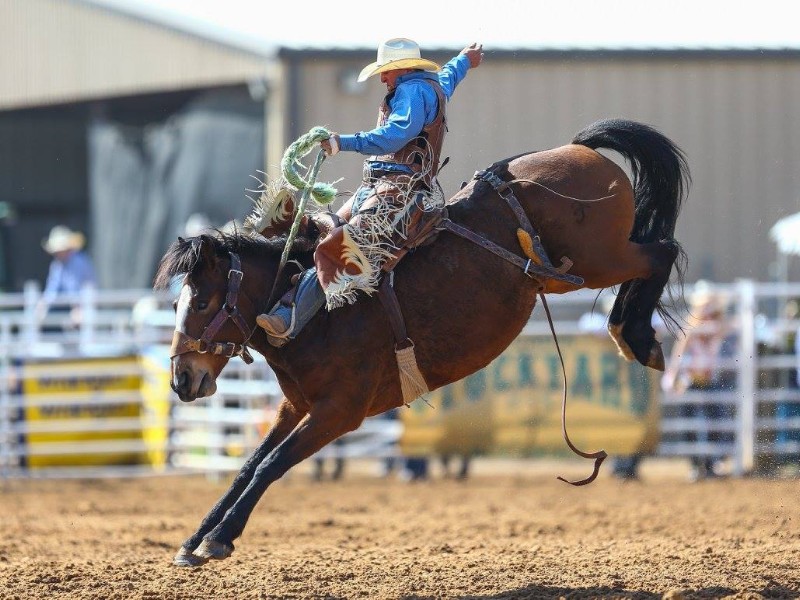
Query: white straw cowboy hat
(397, 53)
(62, 238)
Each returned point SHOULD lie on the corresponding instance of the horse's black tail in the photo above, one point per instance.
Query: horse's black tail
(660, 181)
(659, 168)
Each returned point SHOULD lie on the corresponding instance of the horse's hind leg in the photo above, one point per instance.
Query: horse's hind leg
(324, 423)
(630, 320)
(615, 321)
(286, 420)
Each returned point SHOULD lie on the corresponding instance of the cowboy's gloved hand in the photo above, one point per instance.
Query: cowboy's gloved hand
(474, 53)
(331, 145)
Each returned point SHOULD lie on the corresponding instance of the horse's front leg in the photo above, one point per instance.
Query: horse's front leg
(286, 420)
(325, 422)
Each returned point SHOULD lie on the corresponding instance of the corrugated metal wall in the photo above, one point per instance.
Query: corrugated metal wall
(62, 51)
(735, 114)
(43, 182)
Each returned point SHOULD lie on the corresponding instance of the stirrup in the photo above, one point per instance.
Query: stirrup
(277, 342)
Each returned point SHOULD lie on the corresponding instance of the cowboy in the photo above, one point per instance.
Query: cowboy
(399, 182)
(70, 270)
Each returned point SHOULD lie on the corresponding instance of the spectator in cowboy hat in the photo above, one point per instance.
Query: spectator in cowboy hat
(71, 270)
(695, 366)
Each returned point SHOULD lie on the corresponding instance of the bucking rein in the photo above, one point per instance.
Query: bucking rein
(536, 265)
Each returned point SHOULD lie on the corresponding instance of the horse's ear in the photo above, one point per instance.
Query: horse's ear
(206, 254)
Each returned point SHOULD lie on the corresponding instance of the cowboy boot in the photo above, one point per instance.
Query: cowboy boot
(287, 319)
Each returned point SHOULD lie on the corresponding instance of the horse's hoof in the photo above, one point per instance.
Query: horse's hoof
(656, 359)
(615, 331)
(184, 558)
(212, 549)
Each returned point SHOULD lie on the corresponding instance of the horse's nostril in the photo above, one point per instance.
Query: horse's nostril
(181, 381)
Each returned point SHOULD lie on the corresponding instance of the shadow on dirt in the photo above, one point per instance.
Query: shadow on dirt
(536, 592)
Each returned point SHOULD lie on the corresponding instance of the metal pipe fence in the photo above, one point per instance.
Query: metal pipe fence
(89, 395)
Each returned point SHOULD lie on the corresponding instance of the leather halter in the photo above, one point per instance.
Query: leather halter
(183, 344)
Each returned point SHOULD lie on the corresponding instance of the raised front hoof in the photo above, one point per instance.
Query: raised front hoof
(210, 549)
(656, 358)
(184, 558)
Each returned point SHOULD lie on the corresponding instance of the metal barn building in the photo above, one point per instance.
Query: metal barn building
(123, 126)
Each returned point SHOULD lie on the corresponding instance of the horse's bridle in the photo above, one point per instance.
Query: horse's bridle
(183, 344)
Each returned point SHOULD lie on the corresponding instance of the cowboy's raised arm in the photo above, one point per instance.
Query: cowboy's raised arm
(474, 53)
(454, 71)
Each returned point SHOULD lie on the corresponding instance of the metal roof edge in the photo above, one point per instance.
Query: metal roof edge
(189, 27)
(292, 52)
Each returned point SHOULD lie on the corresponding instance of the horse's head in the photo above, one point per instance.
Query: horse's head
(225, 283)
(214, 313)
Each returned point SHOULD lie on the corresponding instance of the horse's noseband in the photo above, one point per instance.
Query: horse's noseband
(183, 344)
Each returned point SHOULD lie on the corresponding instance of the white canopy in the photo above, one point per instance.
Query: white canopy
(786, 234)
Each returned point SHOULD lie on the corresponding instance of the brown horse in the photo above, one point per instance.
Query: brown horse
(463, 305)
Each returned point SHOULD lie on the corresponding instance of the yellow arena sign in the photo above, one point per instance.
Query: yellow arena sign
(73, 411)
(513, 406)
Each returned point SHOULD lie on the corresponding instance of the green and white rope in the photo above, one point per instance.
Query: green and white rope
(323, 193)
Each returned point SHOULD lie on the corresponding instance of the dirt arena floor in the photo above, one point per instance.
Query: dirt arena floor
(518, 534)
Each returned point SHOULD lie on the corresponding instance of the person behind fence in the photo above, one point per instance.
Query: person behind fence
(337, 463)
(787, 411)
(695, 366)
(70, 272)
(399, 183)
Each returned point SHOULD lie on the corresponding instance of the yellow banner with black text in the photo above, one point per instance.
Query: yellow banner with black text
(513, 406)
(81, 412)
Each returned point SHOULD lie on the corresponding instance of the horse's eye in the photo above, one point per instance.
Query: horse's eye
(202, 305)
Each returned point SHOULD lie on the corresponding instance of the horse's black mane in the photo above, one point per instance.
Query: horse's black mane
(183, 255)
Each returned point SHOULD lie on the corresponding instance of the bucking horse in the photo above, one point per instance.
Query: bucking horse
(463, 298)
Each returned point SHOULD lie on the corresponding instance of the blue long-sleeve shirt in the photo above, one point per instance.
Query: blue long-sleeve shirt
(413, 105)
(69, 276)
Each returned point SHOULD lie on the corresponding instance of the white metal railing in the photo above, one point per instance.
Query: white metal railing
(753, 420)
(745, 421)
(39, 431)
(215, 434)
(211, 434)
